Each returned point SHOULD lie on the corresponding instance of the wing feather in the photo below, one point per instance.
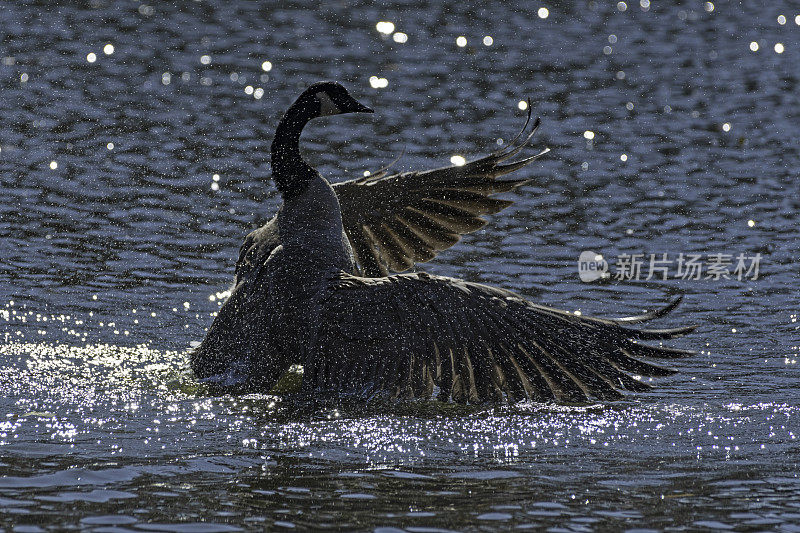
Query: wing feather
(449, 202)
(410, 240)
(411, 333)
(437, 236)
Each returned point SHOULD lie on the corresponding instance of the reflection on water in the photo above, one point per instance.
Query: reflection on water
(133, 161)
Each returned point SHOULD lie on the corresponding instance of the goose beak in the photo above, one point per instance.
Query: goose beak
(355, 107)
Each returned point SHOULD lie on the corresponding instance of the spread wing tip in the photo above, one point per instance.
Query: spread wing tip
(650, 315)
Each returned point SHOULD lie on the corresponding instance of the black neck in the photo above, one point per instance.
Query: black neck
(290, 173)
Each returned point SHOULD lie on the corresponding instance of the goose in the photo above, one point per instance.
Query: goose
(315, 287)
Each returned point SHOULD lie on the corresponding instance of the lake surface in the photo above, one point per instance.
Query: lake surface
(130, 174)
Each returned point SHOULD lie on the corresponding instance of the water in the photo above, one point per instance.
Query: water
(113, 259)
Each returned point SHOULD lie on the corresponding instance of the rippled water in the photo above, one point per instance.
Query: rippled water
(116, 239)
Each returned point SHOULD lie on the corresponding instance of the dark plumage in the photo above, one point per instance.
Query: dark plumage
(298, 300)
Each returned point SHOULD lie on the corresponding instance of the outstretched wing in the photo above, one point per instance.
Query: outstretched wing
(406, 336)
(394, 221)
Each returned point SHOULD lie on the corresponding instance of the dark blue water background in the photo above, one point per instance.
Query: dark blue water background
(117, 240)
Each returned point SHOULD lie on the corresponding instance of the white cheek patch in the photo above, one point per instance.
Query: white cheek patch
(326, 105)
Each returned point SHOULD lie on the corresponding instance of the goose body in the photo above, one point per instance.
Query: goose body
(312, 289)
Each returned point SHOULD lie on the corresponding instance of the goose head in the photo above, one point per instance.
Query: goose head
(327, 98)
(290, 173)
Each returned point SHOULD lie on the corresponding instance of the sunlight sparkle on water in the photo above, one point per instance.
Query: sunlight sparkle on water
(205, 59)
(400, 37)
(523, 105)
(91, 57)
(385, 27)
(266, 66)
(458, 160)
(108, 49)
(754, 46)
(488, 40)
(53, 165)
(726, 127)
(709, 6)
(543, 13)
(622, 6)
(461, 41)
(779, 48)
(781, 20)
(378, 83)
(588, 135)
(110, 146)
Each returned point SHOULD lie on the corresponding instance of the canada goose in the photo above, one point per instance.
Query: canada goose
(298, 299)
